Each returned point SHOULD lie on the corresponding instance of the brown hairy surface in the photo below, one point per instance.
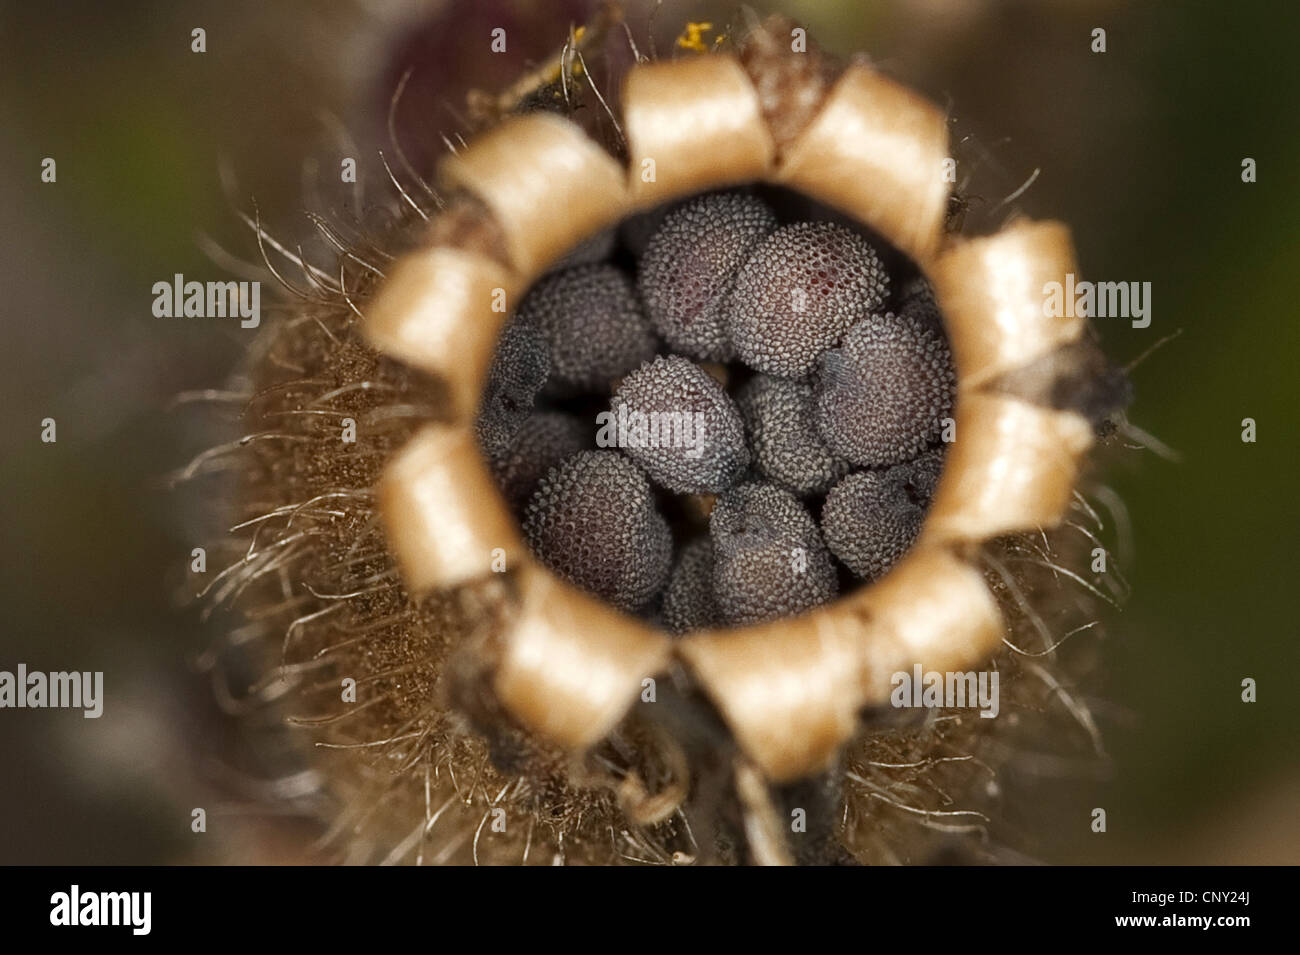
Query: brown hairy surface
(312, 570)
(790, 88)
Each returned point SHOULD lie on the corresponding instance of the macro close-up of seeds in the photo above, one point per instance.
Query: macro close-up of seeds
(841, 400)
(656, 433)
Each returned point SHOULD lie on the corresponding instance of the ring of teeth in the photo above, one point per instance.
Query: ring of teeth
(569, 666)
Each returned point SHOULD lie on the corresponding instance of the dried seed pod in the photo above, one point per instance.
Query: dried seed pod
(883, 394)
(593, 324)
(593, 521)
(801, 290)
(787, 449)
(769, 558)
(676, 422)
(690, 266)
(540, 675)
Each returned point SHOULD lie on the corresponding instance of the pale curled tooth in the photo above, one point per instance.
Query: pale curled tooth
(876, 151)
(992, 294)
(1011, 468)
(444, 519)
(546, 183)
(692, 124)
(441, 310)
(571, 666)
(789, 690)
(932, 609)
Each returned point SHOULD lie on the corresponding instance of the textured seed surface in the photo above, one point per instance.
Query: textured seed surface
(688, 601)
(871, 518)
(543, 440)
(882, 395)
(593, 325)
(800, 291)
(750, 360)
(520, 366)
(916, 301)
(690, 267)
(925, 473)
(769, 558)
(594, 522)
(682, 427)
(787, 449)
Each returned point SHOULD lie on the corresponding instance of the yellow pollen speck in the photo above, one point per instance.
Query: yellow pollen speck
(692, 37)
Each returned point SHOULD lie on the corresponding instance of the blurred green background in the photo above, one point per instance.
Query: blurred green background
(1139, 150)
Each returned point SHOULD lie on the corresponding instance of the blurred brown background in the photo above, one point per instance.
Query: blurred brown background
(1139, 148)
